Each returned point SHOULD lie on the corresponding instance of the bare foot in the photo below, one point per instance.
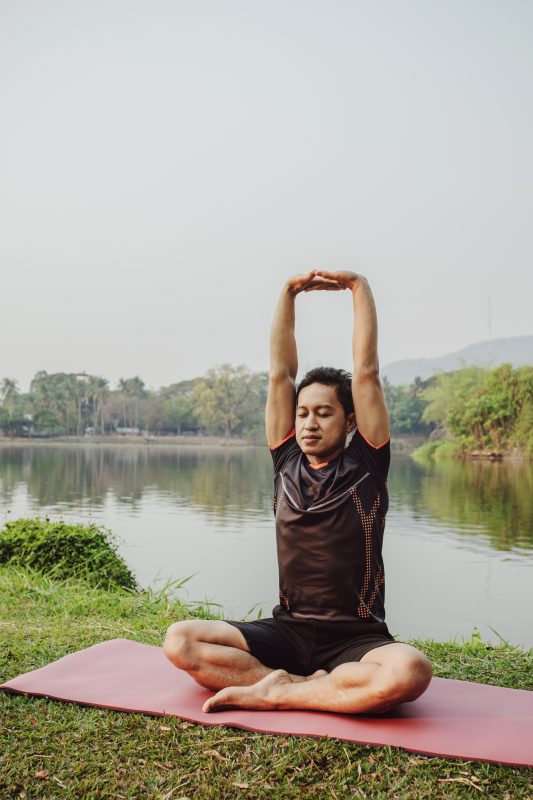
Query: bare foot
(320, 673)
(300, 678)
(260, 695)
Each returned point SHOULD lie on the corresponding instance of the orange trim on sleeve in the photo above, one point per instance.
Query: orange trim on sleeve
(275, 447)
(375, 446)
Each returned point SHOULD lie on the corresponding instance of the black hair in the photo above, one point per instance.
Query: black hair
(329, 376)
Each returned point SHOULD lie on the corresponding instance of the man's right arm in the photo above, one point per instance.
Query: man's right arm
(280, 406)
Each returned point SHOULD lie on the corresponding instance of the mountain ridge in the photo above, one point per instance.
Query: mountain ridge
(515, 350)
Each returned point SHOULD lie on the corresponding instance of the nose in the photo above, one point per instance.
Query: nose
(310, 423)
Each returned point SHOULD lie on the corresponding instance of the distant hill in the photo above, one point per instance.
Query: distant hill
(516, 350)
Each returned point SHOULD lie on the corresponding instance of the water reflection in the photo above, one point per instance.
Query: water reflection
(494, 500)
(224, 482)
(490, 501)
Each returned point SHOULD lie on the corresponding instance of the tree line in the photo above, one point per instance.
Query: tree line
(476, 408)
(226, 401)
(468, 410)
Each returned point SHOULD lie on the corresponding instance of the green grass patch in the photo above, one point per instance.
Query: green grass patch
(61, 551)
(61, 750)
(438, 450)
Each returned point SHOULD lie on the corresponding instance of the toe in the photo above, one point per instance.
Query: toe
(209, 704)
(320, 673)
(219, 700)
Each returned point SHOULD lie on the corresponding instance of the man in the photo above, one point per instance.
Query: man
(327, 646)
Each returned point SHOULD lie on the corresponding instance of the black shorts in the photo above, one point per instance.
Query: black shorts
(302, 646)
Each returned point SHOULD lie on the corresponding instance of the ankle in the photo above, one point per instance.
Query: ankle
(278, 689)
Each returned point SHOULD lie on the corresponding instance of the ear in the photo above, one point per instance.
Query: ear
(351, 421)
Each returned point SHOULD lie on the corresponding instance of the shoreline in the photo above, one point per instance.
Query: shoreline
(449, 450)
(400, 445)
(146, 441)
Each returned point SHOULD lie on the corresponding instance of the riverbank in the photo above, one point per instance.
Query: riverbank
(157, 441)
(400, 445)
(62, 750)
(445, 449)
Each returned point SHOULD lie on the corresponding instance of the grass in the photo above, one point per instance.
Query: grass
(63, 550)
(61, 750)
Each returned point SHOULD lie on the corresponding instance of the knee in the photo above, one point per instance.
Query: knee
(420, 674)
(179, 644)
(406, 681)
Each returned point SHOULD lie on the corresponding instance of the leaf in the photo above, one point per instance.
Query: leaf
(216, 755)
(43, 773)
(461, 780)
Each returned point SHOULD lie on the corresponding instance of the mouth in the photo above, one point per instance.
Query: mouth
(311, 439)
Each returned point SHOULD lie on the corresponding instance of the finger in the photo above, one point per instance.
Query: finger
(303, 276)
(338, 279)
(325, 287)
(325, 273)
(314, 282)
(332, 276)
(320, 279)
(305, 279)
(321, 284)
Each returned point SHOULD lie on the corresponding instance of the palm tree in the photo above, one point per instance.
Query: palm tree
(98, 389)
(134, 388)
(9, 392)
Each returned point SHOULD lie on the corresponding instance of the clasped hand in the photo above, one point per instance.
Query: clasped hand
(321, 280)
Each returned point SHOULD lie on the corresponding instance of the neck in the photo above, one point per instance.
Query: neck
(324, 457)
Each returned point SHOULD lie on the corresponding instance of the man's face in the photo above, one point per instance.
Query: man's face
(321, 422)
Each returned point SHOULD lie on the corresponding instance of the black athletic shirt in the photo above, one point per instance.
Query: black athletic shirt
(329, 531)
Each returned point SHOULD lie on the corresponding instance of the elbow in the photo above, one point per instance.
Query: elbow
(366, 375)
(276, 377)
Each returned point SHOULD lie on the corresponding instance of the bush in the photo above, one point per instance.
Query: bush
(441, 449)
(65, 551)
(425, 451)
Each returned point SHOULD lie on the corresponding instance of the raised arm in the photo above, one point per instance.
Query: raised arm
(370, 408)
(280, 406)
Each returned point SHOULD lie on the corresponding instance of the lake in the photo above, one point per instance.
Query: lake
(458, 540)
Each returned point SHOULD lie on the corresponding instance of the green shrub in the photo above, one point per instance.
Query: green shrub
(448, 448)
(522, 435)
(425, 452)
(65, 551)
(440, 449)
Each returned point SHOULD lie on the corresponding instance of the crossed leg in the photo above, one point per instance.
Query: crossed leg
(217, 656)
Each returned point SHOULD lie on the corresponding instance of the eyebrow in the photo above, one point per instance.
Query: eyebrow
(322, 405)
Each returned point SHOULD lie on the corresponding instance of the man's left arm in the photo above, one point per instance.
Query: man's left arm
(370, 408)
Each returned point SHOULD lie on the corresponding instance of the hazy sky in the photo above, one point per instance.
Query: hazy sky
(165, 165)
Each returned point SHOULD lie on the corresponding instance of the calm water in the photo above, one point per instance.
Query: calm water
(458, 541)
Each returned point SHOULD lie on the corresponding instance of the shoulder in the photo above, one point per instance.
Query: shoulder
(285, 450)
(376, 458)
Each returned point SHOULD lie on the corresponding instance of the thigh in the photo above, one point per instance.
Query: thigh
(340, 643)
(355, 647)
(394, 654)
(209, 631)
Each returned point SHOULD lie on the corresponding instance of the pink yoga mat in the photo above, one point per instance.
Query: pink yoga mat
(452, 718)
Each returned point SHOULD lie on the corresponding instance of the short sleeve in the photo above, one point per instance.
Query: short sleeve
(375, 459)
(286, 449)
